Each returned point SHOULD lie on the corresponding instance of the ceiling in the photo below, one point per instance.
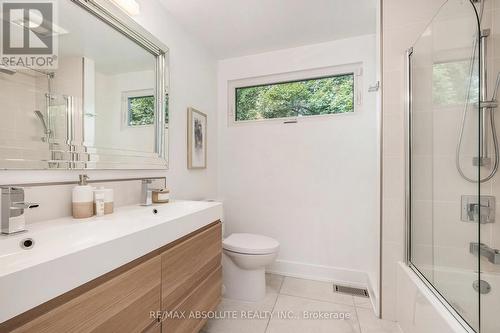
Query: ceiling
(231, 28)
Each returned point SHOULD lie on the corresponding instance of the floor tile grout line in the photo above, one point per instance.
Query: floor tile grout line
(275, 301)
(319, 300)
(279, 293)
(357, 318)
(281, 284)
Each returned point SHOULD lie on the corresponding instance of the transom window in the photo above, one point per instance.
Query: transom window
(294, 95)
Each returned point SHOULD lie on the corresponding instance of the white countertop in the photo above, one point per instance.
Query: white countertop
(68, 252)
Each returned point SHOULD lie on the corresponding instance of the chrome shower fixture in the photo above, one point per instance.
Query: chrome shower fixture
(486, 109)
(41, 117)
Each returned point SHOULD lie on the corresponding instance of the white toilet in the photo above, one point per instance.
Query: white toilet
(244, 260)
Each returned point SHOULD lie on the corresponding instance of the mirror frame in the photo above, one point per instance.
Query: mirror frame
(110, 14)
(115, 17)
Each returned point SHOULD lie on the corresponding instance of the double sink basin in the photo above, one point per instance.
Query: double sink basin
(56, 256)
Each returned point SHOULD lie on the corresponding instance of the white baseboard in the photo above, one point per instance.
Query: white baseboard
(319, 273)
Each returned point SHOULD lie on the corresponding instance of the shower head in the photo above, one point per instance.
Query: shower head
(6, 70)
(42, 120)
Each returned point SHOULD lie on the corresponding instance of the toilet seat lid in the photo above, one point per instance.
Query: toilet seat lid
(250, 244)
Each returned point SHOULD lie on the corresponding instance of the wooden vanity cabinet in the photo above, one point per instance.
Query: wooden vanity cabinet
(121, 304)
(186, 265)
(192, 280)
(185, 276)
(156, 328)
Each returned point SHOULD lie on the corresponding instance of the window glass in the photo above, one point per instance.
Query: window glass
(319, 96)
(141, 110)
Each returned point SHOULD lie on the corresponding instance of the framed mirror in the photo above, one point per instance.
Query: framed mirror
(102, 104)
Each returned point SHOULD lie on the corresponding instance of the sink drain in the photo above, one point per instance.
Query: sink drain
(27, 243)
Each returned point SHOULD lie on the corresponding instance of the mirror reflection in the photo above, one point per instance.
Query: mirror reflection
(96, 109)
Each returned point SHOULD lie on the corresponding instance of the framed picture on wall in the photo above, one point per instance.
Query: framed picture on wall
(197, 139)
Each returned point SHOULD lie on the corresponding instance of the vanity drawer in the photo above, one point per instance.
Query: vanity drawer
(187, 264)
(121, 304)
(204, 298)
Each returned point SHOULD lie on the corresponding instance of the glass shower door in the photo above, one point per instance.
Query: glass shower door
(445, 157)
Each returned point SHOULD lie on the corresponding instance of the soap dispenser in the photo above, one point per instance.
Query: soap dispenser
(83, 199)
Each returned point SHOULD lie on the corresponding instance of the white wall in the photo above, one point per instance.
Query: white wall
(193, 83)
(312, 185)
(111, 127)
(20, 130)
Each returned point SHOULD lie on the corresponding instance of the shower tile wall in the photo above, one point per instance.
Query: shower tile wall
(452, 267)
(18, 119)
(403, 22)
(24, 92)
(443, 240)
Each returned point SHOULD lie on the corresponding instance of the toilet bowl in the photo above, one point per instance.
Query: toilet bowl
(245, 257)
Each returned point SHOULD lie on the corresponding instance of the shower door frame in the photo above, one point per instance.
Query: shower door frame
(408, 183)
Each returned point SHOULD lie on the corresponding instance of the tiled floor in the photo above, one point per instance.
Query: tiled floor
(294, 299)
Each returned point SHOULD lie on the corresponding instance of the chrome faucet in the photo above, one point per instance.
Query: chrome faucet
(12, 208)
(146, 193)
(483, 250)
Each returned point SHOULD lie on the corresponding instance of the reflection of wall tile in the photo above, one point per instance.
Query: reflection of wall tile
(13, 153)
(422, 82)
(422, 127)
(453, 257)
(447, 183)
(449, 230)
(423, 259)
(422, 175)
(422, 214)
(447, 123)
(18, 94)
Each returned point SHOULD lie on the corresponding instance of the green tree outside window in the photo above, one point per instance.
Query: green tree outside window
(141, 110)
(329, 95)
